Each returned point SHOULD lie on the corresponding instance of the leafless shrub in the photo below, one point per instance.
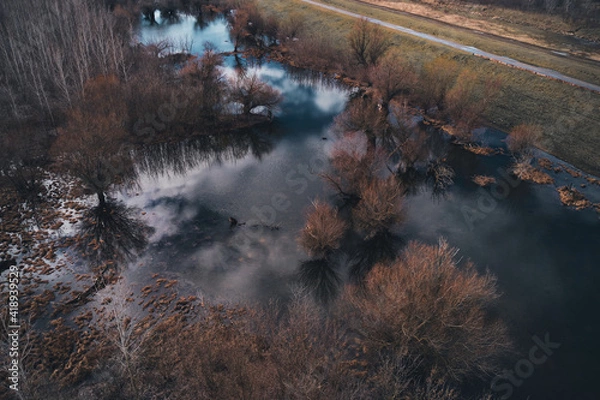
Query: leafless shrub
(391, 77)
(250, 26)
(366, 116)
(351, 165)
(437, 78)
(368, 43)
(252, 93)
(380, 206)
(441, 174)
(323, 231)
(411, 148)
(425, 307)
(523, 138)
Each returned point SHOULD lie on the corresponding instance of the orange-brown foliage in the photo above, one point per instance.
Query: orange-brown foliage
(426, 307)
(323, 231)
(380, 206)
(523, 138)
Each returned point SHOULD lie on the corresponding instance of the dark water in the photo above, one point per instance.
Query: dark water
(546, 257)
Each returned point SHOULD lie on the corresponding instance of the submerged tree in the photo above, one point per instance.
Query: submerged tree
(380, 206)
(352, 166)
(366, 116)
(323, 231)
(253, 93)
(426, 308)
(320, 237)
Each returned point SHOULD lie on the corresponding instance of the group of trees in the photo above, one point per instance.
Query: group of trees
(52, 48)
(70, 67)
(440, 87)
(403, 326)
(421, 328)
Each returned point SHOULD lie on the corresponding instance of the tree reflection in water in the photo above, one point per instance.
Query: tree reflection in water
(178, 158)
(381, 248)
(111, 233)
(320, 277)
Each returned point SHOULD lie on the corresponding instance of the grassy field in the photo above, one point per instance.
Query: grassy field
(546, 30)
(585, 70)
(570, 117)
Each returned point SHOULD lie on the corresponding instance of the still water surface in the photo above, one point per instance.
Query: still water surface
(546, 257)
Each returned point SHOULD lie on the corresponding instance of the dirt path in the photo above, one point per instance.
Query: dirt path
(545, 72)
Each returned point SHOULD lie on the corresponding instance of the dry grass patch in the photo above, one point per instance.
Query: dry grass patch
(545, 163)
(480, 150)
(573, 198)
(592, 180)
(572, 172)
(483, 180)
(525, 171)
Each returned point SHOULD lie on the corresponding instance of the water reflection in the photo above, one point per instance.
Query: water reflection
(320, 278)
(188, 29)
(545, 256)
(261, 177)
(111, 233)
(178, 158)
(381, 248)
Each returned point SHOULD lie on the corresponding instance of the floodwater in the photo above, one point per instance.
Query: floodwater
(546, 256)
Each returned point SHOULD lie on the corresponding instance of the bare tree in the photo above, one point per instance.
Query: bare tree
(437, 78)
(90, 146)
(252, 93)
(426, 308)
(467, 101)
(380, 206)
(368, 42)
(53, 47)
(522, 140)
(126, 327)
(391, 77)
(207, 87)
(323, 231)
